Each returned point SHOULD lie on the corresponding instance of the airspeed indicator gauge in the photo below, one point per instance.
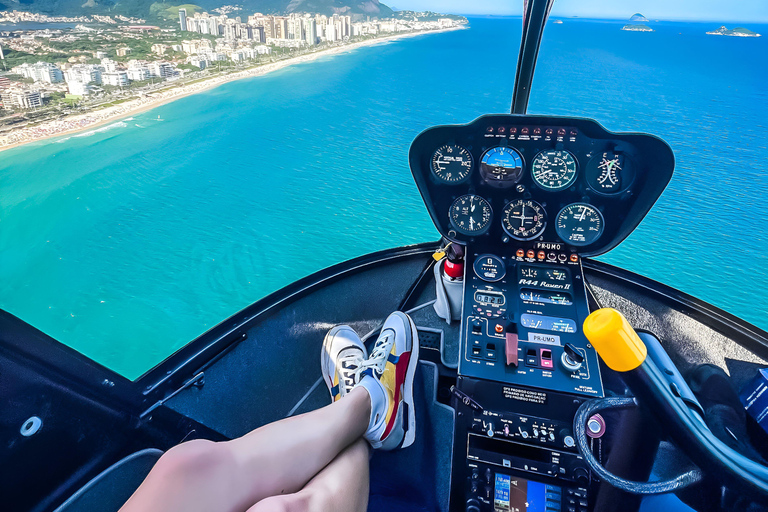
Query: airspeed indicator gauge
(501, 167)
(554, 170)
(579, 224)
(470, 215)
(523, 219)
(451, 164)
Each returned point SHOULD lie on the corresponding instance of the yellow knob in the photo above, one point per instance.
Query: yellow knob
(615, 340)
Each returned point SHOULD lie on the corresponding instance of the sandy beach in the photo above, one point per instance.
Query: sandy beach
(78, 122)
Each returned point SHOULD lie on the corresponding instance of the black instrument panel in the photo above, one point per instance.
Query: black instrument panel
(507, 179)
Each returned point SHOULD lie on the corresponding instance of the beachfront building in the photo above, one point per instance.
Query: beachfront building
(116, 79)
(17, 99)
(138, 70)
(83, 74)
(79, 88)
(183, 19)
(40, 72)
(123, 51)
(159, 48)
(162, 70)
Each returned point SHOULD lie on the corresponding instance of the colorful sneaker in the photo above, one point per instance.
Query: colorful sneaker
(388, 376)
(342, 355)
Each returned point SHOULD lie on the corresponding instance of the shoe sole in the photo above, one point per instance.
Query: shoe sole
(325, 357)
(410, 375)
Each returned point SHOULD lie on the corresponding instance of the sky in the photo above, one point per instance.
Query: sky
(755, 11)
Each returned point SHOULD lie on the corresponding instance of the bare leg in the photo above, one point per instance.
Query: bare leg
(342, 486)
(278, 458)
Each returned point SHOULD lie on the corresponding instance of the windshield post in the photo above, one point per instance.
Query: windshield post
(535, 14)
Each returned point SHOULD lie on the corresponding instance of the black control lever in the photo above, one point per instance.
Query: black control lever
(574, 354)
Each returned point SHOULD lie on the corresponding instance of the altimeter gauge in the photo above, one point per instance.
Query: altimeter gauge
(554, 170)
(452, 164)
(470, 215)
(579, 224)
(609, 173)
(523, 219)
(501, 167)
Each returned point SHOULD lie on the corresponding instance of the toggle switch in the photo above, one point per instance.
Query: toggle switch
(510, 348)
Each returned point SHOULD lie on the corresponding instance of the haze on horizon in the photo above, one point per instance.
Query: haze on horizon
(744, 11)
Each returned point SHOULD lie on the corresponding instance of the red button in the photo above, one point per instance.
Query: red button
(531, 254)
(541, 255)
(520, 253)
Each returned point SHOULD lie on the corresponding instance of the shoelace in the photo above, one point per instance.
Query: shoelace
(378, 358)
(350, 366)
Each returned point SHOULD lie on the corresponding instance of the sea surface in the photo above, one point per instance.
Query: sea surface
(128, 241)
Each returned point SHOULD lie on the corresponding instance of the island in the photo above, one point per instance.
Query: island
(558, 22)
(637, 28)
(736, 32)
(637, 17)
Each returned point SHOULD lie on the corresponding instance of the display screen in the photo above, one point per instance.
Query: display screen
(513, 494)
(489, 298)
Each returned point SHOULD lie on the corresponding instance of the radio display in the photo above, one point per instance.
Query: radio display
(513, 494)
(489, 298)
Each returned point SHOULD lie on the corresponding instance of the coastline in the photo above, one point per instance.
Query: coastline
(77, 123)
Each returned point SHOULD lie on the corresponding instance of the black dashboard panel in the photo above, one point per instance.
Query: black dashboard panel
(599, 185)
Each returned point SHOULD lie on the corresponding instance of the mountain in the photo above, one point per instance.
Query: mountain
(143, 8)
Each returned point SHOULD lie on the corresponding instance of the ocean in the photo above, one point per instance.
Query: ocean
(128, 241)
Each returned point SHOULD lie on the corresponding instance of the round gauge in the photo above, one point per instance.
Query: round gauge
(452, 163)
(501, 167)
(523, 219)
(554, 170)
(471, 215)
(579, 224)
(490, 267)
(609, 173)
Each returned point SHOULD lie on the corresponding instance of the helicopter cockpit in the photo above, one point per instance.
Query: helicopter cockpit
(548, 381)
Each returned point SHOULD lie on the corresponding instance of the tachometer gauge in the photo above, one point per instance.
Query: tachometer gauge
(609, 173)
(554, 170)
(579, 224)
(501, 167)
(523, 219)
(471, 215)
(452, 164)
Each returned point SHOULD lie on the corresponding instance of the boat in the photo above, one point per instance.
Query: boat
(547, 380)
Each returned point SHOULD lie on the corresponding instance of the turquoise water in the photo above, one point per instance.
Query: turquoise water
(129, 241)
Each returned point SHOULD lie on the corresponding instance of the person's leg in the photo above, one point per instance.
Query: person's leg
(275, 459)
(342, 486)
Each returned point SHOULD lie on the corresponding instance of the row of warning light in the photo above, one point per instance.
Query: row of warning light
(561, 132)
(541, 256)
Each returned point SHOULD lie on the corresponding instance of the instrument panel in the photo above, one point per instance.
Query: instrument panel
(506, 179)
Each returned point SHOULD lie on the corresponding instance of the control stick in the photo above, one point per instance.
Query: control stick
(645, 372)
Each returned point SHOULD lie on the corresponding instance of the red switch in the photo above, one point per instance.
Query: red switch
(511, 348)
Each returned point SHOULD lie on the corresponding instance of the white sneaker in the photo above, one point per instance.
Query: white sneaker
(340, 359)
(388, 376)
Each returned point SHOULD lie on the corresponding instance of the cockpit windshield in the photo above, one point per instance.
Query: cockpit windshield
(129, 239)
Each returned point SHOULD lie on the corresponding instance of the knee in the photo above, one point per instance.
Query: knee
(197, 458)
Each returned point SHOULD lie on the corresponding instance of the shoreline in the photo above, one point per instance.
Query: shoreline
(76, 123)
